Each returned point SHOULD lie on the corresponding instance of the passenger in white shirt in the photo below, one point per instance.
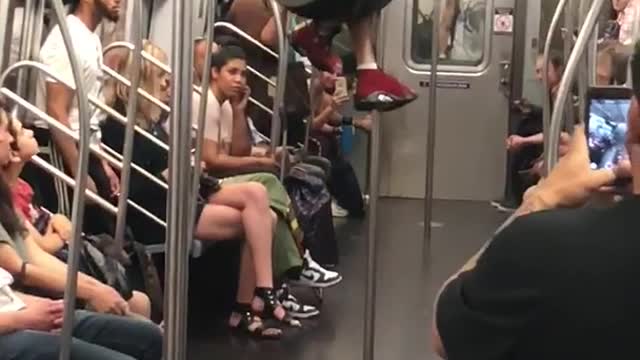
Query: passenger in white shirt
(60, 102)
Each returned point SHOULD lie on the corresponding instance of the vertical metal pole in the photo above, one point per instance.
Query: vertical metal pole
(313, 98)
(195, 183)
(276, 123)
(370, 299)
(546, 96)
(202, 111)
(551, 153)
(132, 115)
(583, 68)
(7, 9)
(79, 195)
(178, 207)
(370, 293)
(431, 136)
(569, 23)
(25, 42)
(592, 50)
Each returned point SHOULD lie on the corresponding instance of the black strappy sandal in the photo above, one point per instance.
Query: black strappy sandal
(271, 304)
(251, 325)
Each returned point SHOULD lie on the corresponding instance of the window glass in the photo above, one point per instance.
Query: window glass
(462, 31)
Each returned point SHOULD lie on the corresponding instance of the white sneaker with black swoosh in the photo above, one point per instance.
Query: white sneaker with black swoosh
(315, 276)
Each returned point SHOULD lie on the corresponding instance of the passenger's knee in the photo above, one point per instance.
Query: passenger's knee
(257, 193)
(140, 304)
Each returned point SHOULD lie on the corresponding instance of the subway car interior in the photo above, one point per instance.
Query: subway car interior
(354, 193)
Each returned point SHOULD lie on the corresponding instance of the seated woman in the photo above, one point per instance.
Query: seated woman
(58, 229)
(224, 212)
(47, 274)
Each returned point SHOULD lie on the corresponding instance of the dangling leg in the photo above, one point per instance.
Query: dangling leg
(376, 90)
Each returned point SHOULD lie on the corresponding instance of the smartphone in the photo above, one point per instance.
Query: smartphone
(341, 87)
(606, 116)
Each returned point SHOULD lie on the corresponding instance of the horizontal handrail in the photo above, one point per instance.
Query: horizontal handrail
(68, 132)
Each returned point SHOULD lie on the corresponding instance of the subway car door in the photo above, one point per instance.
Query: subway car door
(472, 102)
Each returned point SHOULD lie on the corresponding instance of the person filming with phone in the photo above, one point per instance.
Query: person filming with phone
(560, 281)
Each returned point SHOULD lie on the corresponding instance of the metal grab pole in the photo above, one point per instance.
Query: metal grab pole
(370, 299)
(583, 67)
(202, 110)
(28, 15)
(178, 207)
(569, 22)
(546, 98)
(313, 100)
(276, 122)
(592, 50)
(79, 195)
(129, 132)
(551, 152)
(431, 138)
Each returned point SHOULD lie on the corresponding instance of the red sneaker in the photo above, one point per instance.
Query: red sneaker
(309, 42)
(381, 92)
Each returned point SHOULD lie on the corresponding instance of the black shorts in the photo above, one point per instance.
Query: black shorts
(340, 10)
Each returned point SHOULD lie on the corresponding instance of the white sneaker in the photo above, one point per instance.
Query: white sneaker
(337, 211)
(315, 276)
(294, 307)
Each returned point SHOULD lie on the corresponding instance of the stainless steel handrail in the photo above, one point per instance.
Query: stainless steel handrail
(129, 131)
(551, 152)
(202, 111)
(53, 171)
(179, 230)
(546, 100)
(278, 124)
(68, 132)
(81, 186)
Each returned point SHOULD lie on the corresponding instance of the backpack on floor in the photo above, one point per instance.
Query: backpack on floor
(312, 204)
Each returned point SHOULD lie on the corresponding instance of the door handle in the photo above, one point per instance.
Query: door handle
(505, 77)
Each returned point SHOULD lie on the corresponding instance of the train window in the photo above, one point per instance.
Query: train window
(462, 32)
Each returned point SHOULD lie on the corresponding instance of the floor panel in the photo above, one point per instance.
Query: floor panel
(404, 298)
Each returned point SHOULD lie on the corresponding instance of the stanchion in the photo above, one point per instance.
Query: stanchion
(179, 231)
(79, 195)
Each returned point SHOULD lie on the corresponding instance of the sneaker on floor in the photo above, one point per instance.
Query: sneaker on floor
(381, 92)
(315, 276)
(294, 307)
(338, 211)
(309, 41)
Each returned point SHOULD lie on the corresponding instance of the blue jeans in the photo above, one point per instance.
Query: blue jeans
(95, 337)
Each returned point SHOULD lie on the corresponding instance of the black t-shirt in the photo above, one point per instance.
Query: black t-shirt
(142, 190)
(561, 284)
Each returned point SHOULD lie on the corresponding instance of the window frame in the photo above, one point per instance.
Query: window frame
(447, 68)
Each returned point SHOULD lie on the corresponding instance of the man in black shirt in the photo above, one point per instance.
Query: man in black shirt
(558, 283)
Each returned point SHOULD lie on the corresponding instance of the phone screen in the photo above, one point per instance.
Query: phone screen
(607, 129)
(341, 87)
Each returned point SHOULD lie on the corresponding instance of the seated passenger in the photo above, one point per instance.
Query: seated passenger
(29, 327)
(326, 127)
(55, 229)
(227, 151)
(375, 90)
(224, 211)
(45, 273)
(556, 283)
